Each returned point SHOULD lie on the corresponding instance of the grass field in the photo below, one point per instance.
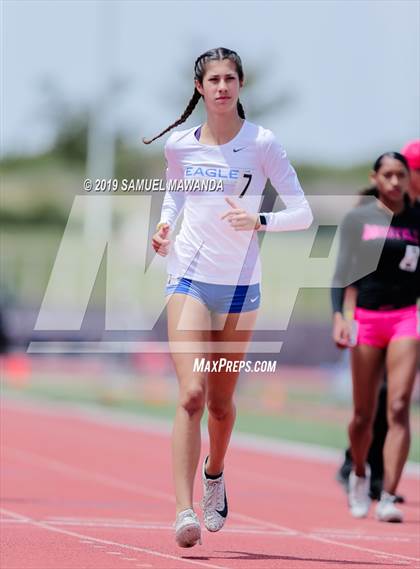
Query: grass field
(305, 411)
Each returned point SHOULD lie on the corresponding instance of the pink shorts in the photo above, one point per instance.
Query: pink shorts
(379, 327)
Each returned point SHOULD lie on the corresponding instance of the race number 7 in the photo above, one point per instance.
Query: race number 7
(249, 177)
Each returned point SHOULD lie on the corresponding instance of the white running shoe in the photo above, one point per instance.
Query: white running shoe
(187, 529)
(386, 511)
(214, 502)
(358, 496)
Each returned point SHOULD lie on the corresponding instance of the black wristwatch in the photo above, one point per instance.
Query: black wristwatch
(263, 219)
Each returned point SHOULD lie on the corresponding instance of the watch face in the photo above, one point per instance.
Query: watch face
(263, 221)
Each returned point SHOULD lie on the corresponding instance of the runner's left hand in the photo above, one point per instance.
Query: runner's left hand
(239, 219)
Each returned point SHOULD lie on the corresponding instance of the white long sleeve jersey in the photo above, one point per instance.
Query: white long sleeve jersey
(207, 248)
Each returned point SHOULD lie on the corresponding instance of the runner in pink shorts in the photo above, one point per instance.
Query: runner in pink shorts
(385, 331)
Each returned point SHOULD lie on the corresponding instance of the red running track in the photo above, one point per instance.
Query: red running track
(80, 491)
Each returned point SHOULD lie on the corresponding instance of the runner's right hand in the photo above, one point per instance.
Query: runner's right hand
(161, 241)
(341, 332)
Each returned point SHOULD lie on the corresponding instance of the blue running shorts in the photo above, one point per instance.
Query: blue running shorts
(224, 299)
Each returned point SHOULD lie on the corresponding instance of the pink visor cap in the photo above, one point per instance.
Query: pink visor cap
(411, 152)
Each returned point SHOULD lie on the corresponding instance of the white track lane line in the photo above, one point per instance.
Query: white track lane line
(114, 543)
(164, 526)
(25, 455)
(149, 527)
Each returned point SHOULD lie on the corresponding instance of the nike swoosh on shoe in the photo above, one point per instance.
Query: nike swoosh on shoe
(224, 512)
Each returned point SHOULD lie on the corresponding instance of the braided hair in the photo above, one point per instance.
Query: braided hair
(216, 54)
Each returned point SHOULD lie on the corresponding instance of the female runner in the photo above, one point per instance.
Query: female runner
(214, 270)
(388, 229)
(411, 152)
